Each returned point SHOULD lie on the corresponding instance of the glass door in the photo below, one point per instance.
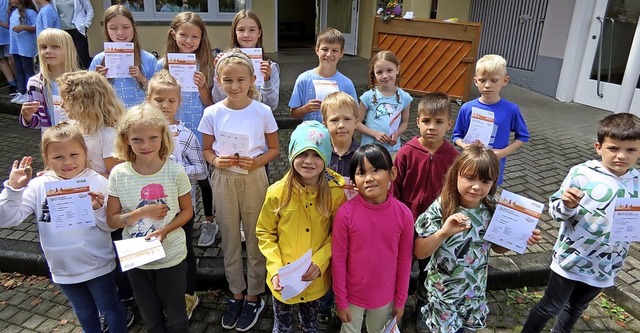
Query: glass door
(342, 15)
(611, 34)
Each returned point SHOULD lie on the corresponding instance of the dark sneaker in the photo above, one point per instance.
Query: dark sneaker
(249, 315)
(103, 323)
(13, 91)
(129, 307)
(232, 313)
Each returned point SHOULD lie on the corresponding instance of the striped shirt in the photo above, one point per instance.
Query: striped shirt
(165, 186)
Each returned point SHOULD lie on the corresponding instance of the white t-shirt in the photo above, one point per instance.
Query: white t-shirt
(255, 121)
(100, 146)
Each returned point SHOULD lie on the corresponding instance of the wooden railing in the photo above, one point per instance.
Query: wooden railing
(434, 55)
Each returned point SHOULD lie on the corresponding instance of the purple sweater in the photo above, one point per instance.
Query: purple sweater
(371, 253)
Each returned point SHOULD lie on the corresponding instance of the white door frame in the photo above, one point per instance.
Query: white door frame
(351, 39)
(574, 85)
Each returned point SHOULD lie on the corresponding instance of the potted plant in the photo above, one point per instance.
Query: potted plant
(389, 9)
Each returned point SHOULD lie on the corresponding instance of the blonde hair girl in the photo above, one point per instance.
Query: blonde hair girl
(246, 32)
(150, 197)
(119, 26)
(92, 104)
(57, 56)
(81, 260)
(453, 228)
(239, 181)
(385, 107)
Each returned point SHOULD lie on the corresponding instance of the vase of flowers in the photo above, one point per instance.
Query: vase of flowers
(389, 9)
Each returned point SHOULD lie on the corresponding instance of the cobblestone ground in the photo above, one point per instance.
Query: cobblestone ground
(34, 304)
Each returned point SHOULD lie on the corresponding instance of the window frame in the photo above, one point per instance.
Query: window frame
(150, 15)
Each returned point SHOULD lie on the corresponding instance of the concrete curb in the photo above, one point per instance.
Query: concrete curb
(626, 297)
(24, 257)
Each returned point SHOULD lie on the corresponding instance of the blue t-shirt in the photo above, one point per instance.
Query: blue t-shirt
(380, 114)
(4, 17)
(128, 89)
(47, 18)
(23, 43)
(507, 119)
(304, 91)
(191, 107)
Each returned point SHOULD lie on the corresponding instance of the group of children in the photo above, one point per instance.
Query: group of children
(143, 166)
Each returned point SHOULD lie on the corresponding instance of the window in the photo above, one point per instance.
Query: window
(165, 10)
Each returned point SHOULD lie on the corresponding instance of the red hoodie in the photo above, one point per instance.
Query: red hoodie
(421, 174)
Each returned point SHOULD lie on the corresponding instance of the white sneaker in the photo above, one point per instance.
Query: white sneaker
(242, 237)
(23, 99)
(16, 97)
(208, 232)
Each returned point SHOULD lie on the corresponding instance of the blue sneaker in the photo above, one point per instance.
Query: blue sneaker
(249, 315)
(232, 313)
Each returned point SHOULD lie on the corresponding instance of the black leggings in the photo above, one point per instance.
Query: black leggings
(122, 280)
(207, 196)
(191, 256)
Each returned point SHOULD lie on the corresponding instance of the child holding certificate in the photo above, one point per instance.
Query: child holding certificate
(120, 27)
(422, 163)
(164, 92)
(314, 85)
(188, 34)
(491, 76)
(385, 106)
(58, 56)
(150, 197)
(92, 105)
(296, 218)
(81, 258)
(450, 231)
(369, 278)
(239, 138)
(585, 258)
(246, 32)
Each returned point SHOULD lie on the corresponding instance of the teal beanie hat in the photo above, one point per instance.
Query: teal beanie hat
(310, 135)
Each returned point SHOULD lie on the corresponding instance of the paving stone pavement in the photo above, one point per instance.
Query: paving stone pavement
(562, 136)
(34, 304)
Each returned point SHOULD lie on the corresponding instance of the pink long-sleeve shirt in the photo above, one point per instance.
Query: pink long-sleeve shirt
(371, 253)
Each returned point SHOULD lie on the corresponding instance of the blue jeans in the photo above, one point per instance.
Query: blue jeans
(97, 294)
(565, 297)
(24, 70)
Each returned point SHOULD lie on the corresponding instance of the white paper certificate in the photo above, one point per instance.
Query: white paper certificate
(69, 204)
(626, 221)
(231, 144)
(255, 54)
(513, 222)
(291, 276)
(324, 88)
(118, 57)
(135, 252)
(394, 121)
(481, 126)
(392, 326)
(183, 66)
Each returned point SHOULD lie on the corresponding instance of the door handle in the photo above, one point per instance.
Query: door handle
(601, 20)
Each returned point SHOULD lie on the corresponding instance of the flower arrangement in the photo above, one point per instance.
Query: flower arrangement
(389, 9)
